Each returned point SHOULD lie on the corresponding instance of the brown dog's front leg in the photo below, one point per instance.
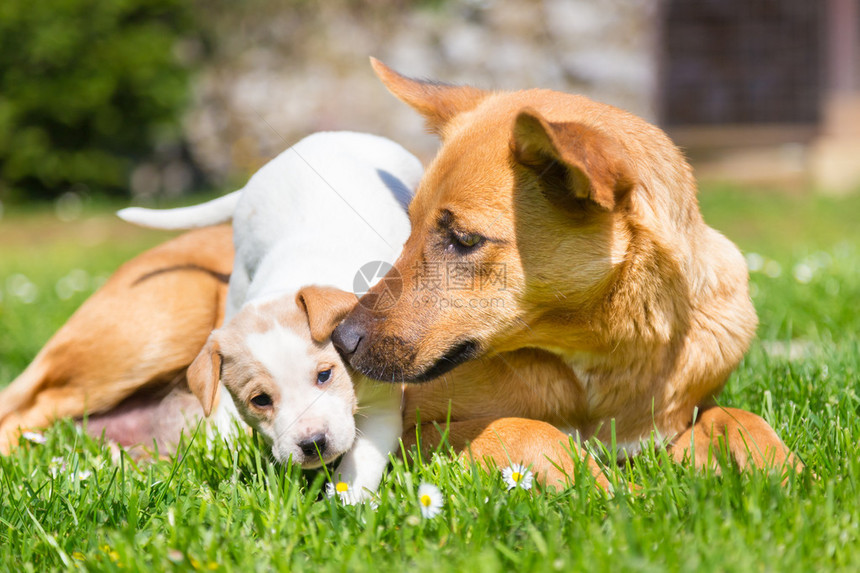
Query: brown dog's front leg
(510, 440)
(749, 439)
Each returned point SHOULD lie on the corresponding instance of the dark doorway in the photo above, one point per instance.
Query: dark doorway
(742, 62)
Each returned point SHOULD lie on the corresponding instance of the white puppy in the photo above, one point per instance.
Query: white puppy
(312, 216)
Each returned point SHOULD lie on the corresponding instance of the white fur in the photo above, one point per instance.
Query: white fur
(313, 215)
(213, 212)
(307, 409)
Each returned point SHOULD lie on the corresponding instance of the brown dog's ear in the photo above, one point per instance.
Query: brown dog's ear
(204, 375)
(587, 163)
(325, 307)
(437, 102)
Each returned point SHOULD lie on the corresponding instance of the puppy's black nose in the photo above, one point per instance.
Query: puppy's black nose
(313, 444)
(347, 336)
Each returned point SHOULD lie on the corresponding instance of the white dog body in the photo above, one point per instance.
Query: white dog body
(312, 216)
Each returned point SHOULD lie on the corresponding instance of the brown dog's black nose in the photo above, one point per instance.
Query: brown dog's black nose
(347, 336)
(314, 445)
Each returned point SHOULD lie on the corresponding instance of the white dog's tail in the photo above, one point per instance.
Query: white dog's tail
(212, 212)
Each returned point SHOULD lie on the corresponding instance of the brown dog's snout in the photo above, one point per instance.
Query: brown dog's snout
(349, 334)
(369, 350)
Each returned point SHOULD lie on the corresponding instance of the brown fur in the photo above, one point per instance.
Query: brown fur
(324, 308)
(619, 302)
(140, 330)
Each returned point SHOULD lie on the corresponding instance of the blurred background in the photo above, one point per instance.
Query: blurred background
(157, 98)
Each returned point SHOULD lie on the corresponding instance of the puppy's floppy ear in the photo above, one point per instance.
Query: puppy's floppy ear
(437, 102)
(325, 308)
(204, 375)
(580, 159)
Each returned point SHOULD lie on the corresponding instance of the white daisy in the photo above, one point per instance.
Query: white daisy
(517, 475)
(349, 495)
(57, 466)
(34, 437)
(430, 500)
(339, 489)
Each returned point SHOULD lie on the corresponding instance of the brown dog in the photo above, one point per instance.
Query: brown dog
(121, 358)
(559, 279)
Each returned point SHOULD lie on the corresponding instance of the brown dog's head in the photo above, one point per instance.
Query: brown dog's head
(519, 228)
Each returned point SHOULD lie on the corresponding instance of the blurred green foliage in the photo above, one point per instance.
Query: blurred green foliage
(86, 88)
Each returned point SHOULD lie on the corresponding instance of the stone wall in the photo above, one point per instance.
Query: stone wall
(284, 70)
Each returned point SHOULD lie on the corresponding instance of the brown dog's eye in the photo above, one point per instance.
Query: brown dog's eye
(323, 376)
(261, 400)
(466, 242)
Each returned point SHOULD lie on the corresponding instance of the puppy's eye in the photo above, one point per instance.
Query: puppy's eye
(465, 242)
(323, 376)
(261, 400)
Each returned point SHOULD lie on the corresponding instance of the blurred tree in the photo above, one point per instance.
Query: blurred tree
(87, 87)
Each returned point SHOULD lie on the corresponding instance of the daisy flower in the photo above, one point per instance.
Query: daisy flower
(517, 475)
(56, 466)
(430, 500)
(339, 489)
(34, 437)
(349, 495)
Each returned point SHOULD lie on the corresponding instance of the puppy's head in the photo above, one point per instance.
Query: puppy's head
(288, 382)
(518, 228)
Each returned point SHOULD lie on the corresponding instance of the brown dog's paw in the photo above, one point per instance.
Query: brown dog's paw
(746, 437)
(506, 441)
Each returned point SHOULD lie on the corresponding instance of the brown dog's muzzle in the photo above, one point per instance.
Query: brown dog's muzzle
(387, 357)
(379, 357)
(355, 339)
(349, 335)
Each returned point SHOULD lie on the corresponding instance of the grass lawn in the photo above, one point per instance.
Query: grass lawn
(66, 504)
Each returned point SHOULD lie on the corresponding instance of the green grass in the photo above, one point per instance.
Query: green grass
(224, 508)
